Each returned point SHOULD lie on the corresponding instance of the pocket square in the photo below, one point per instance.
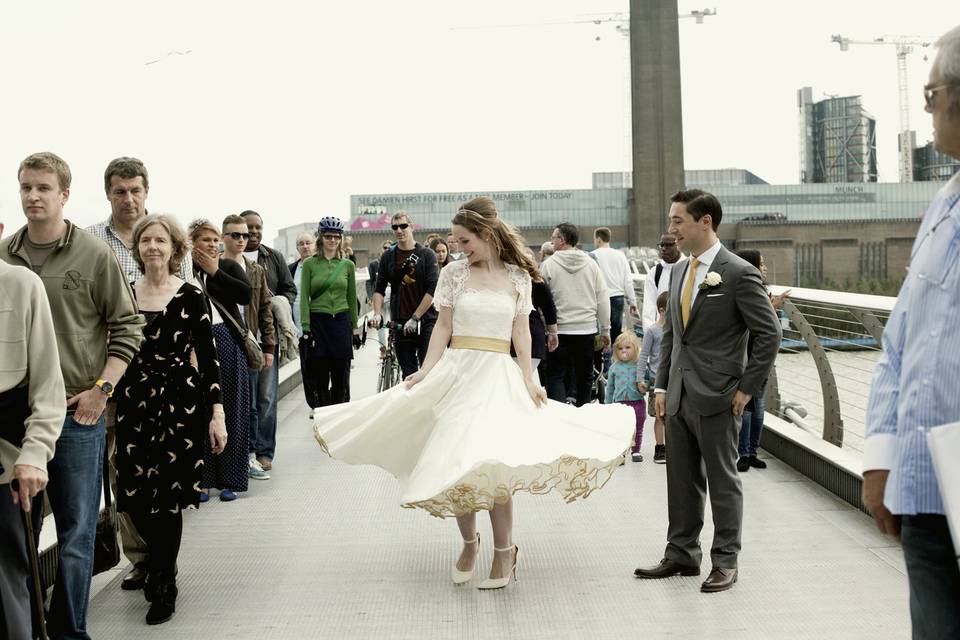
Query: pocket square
(715, 295)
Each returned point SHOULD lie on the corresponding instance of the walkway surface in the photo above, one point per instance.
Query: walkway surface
(322, 550)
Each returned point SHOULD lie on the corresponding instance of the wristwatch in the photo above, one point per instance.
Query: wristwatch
(106, 386)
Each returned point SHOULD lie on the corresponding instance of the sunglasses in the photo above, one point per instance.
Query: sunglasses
(330, 236)
(403, 225)
(239, 235)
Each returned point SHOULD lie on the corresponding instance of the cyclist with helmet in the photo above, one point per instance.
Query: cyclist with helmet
(328, 314)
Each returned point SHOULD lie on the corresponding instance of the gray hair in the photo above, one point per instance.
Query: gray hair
(546, 248)
(948, 66)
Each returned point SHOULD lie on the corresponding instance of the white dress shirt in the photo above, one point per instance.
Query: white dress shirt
(705, 259)
(651, 289)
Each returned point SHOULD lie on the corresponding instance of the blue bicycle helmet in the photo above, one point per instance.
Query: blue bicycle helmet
(330, 224)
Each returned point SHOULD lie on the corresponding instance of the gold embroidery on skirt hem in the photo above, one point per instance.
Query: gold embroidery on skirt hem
(575, 478)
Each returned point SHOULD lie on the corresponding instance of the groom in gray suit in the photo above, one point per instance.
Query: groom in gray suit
(705, 379)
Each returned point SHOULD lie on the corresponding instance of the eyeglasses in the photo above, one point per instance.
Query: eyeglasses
(403, 225)
(330, 236)
(929, 92)
(238, 235)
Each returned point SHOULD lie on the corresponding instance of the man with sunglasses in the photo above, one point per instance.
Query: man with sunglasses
(658, 280)
(915, 383)
(265, 384)
(411, 271)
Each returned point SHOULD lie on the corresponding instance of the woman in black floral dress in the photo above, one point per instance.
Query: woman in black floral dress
(166, 407)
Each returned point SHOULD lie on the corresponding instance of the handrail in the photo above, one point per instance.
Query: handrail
(835, 337)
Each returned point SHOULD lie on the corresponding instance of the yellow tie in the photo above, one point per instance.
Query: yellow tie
(687, 296)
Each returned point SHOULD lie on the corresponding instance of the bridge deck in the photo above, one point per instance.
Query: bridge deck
(323, 550)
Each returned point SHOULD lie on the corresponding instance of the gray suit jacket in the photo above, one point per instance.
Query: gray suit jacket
(708, 361)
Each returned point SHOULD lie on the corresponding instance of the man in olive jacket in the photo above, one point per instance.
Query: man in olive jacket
(91, 301)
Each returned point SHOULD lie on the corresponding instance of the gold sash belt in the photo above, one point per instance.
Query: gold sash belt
(480, 344)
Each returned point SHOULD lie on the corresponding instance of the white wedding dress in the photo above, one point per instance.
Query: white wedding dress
(469, 435)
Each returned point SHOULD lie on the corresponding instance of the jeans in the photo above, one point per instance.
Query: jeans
(751, 426)
(264, 388)
(616, 326)
(74, 489)
(933, 576)
(576, 352)
(412, 350)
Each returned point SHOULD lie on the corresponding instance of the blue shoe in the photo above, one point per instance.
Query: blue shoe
(227, 496)
(204, 496)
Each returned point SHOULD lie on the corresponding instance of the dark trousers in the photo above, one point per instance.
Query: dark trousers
(15, 612)
(162, 533)
(752, 425)
(574, 352)
(329, 378)
(933, 576)
(310, 391)
(412, 350)
(703, 453)
(616, 326)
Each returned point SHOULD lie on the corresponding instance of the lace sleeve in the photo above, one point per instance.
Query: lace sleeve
(450, 284)
(523, 283)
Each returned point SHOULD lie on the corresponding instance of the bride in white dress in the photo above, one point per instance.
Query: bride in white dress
(471, 427)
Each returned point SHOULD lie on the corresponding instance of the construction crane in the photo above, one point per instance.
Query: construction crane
(906, 140)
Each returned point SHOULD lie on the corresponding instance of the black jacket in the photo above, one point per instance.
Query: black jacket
(427, 275)
(228, 286)
(279, 279)
(544, 313)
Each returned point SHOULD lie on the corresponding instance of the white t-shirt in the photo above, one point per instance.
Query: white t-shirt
(616, 271)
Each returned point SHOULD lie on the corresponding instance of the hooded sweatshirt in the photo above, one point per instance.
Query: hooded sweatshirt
(579, 291)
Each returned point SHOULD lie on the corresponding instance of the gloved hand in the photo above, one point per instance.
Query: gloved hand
(307, 340)
(410, 327)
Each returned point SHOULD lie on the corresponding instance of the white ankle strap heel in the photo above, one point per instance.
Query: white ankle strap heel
(500, 583)
(460, 577)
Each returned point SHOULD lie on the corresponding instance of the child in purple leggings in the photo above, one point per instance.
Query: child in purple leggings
(623, 384)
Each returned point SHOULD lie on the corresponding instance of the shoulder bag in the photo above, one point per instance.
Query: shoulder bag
(251, 348)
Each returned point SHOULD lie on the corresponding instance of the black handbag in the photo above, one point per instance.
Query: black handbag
(106, 547)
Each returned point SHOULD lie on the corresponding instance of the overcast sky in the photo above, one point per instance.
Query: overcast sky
(290, 107)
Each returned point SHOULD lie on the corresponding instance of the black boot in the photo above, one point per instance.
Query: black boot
(151, 587)
(743, 464)
(165, 603)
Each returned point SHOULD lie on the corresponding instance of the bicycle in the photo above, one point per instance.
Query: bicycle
(389, 374)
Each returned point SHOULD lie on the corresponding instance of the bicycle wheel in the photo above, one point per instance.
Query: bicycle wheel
(383, 379)
(395, 375)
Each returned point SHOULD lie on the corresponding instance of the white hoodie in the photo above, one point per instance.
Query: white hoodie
(579, 291)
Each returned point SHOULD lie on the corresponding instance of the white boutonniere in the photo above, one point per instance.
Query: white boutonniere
(712, 280)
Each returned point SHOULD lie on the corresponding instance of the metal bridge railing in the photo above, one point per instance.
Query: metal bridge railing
(831, 345)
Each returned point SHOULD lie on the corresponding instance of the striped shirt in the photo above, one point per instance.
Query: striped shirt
(916, 380)
(104, 231)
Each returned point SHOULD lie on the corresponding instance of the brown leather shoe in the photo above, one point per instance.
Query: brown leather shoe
(265, 462)
(665, 569)
(720, 579)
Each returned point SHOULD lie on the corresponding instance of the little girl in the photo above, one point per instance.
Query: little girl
(623, 384)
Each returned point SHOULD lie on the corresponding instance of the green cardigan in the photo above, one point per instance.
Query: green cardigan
(340, 296)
